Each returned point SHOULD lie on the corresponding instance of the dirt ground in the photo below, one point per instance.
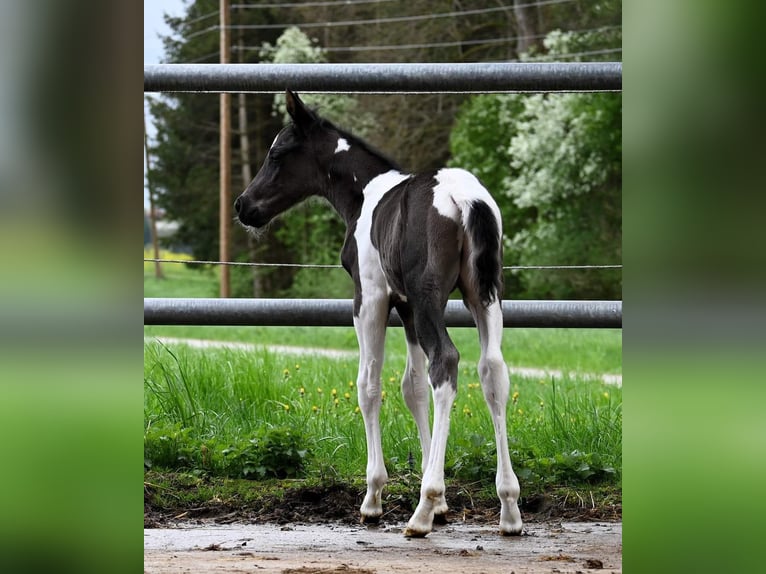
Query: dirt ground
(338, 548)
(316, 531)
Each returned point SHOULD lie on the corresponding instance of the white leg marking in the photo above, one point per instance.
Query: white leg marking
(415, 389)
(432, 488)
(495, 383)
(371, 331)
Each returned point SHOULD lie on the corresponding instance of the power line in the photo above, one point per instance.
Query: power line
(388, 20)
(394, 19)
(557, 57)
(348, 3)
(200, 18)
(455, 43)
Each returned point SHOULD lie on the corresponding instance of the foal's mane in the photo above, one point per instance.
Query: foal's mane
(356, 141)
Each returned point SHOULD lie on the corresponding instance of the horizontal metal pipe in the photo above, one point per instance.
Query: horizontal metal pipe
(339, 313)
(386, 78)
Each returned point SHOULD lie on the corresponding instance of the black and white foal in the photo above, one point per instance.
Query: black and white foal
(410, 241)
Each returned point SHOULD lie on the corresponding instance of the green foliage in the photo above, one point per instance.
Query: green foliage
(554, 163)
(479, 139)
(277, 452)
(566, 158)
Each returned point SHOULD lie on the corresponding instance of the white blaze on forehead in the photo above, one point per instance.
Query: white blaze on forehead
(342, 145)
(276, 138)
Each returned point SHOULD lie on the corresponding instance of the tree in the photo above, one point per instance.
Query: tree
(566, 157)
(553, 161)
(415, 129)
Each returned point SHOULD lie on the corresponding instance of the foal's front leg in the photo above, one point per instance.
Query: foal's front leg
(370, 328)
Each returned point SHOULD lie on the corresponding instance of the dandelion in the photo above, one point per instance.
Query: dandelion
(391, 379)
(351, 384)
(606, 394)
(521, 411)
(336, 402)
(286, 407)
(515, 397)
(383, 395)
(302, 391)
(286, 373)
(542, 404)
(315, 408)
(347, 396)
(319, 390)
(356, 410)
(334, 392)
(467, 411)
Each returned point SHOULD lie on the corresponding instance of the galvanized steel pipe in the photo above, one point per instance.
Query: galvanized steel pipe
(386, 78)
(339, 313)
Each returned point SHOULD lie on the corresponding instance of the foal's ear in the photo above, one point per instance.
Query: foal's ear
(301, 115)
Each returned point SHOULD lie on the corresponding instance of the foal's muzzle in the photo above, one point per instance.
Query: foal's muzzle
(248, 214)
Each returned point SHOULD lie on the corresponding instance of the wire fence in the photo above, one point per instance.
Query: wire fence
(333, 266)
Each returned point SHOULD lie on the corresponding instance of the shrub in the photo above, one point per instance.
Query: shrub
(279, 452)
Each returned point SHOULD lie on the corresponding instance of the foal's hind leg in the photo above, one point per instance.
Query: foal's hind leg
(370, 328)
(415, 388)
(495, 383)
(443, 358)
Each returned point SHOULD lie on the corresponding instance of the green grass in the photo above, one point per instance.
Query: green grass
(255, 414)
(212, 410)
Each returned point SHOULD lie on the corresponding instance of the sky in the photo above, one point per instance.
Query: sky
(154, 25)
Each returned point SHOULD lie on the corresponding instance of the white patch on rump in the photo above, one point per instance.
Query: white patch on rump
(454, 192)
(342, 145)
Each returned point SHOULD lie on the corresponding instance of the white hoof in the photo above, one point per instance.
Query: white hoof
(510, 520)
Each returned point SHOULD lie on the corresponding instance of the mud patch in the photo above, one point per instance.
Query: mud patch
(168, 506)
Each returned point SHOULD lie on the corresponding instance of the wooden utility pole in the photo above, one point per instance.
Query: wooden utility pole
(152, 215)
(225, 159)
(244, 145)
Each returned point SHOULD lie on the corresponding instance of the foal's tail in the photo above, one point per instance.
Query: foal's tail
(485, 257)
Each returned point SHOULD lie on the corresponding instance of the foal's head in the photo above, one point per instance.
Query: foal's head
(294, 169)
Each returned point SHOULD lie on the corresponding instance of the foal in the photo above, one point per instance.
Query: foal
(411, 239)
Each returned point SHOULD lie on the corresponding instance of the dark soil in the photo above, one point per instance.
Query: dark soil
(170, 502)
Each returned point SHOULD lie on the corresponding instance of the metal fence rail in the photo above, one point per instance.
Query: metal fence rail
(386, 78)
(339, 313)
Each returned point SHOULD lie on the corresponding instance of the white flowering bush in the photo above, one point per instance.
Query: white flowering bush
(557, 178)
